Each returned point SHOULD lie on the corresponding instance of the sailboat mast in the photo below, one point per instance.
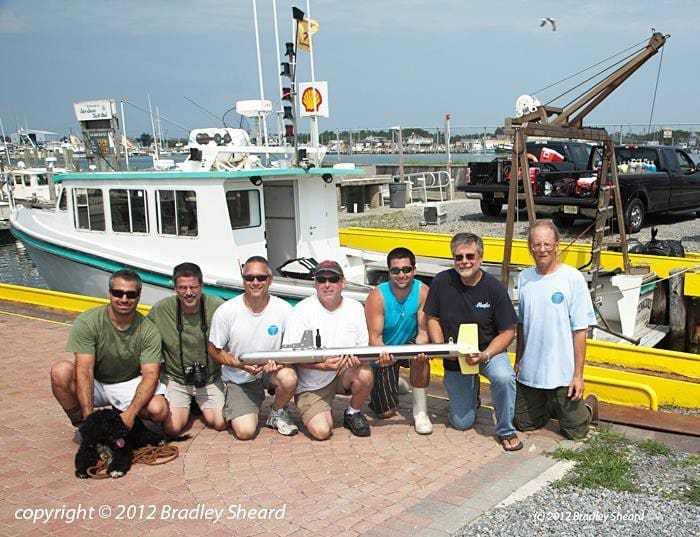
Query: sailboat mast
(262, 122)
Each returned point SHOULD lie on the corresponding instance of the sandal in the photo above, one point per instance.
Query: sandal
(507, 446)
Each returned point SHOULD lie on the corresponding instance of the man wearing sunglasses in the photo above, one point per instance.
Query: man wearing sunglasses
(555, 312)
(117, 359)
(253, 321)
(183, 321)
(466, 294)
(394, 311)
(336, 321)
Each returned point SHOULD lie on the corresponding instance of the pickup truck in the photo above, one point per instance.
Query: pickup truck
(653, 179)
(489, 180)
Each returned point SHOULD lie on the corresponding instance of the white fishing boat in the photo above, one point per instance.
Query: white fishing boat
(218, 208)
(30, 185)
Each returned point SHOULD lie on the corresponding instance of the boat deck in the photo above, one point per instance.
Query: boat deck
(393, 483)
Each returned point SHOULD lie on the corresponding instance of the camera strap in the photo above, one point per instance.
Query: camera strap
(179, 325)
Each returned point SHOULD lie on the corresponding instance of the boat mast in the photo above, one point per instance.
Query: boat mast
(153, 128)
(126, 148)
(313, 140)
(262, 121)
(280, 112)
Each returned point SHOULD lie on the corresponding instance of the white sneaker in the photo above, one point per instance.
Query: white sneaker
(283, 421)
(422, 423)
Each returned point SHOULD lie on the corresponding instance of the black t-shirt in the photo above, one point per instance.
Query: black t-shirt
(487, 304)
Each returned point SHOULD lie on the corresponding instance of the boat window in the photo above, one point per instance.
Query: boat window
(63, 200)
(89, 209)
(27, 180)
(128, 210)
(243, 208)
(177, 212)
(42, 179)
(18, 180)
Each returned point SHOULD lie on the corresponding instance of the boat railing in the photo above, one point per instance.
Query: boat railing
(421, 183)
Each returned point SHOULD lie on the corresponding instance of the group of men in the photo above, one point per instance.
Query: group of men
(189, 345)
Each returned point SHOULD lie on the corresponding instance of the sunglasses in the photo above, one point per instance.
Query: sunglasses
(259, 277)
(119, 293)
(468, 257)
(324, 279)
(406, 270)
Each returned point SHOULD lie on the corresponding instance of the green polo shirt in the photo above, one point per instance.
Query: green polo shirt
(118, 354)
(164, 316)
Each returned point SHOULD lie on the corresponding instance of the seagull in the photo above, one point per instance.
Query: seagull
(551, 21)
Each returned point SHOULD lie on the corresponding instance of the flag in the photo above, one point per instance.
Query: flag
(305, 29)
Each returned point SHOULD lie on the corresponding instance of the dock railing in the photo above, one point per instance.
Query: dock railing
(421, 183)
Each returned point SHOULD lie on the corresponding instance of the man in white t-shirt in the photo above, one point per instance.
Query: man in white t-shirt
(253, 321)
(555, 311)
(338, 322)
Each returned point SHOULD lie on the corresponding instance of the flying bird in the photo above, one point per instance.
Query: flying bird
(551, 21)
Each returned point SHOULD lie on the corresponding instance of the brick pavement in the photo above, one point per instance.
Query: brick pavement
(393, 483)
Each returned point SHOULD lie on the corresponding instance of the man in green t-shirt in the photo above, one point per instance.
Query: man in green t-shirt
(183, 321)
(117, 359)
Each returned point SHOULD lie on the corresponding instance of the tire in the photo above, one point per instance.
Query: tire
(564, 221)
(490, 207)
(635, 214)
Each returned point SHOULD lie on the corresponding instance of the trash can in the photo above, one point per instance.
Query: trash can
(355, 199)
(397, 195)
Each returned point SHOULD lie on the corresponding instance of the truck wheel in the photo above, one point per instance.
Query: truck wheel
(490, 207)
(634, 215)
(563, 220)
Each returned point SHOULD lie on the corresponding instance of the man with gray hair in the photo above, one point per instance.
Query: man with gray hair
(555, 313)
(467, 294)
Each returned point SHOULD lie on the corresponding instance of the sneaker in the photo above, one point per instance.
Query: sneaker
(283, 421)
(403, 386)
(591, 403)
(422, 423)
(357, 424)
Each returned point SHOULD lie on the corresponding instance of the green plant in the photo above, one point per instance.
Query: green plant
(654, 448)
(603, 461)
(693, 495)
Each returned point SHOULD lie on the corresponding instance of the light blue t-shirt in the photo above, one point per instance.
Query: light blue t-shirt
(400, 318)
(550, 308)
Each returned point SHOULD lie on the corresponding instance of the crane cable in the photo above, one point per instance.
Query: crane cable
(656, 87)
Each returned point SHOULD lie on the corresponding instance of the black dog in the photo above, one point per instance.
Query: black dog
(104, 436)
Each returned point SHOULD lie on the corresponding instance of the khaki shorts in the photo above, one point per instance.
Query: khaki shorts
(120, 394)
(313, 403)
(209, 396)
(246, 398)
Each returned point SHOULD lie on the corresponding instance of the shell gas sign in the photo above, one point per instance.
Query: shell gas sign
(313, 97)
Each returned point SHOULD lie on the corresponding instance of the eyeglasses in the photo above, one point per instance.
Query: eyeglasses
(185, 288)
(547, 246)
(405, 269)
(324, 279)
(119, 293)
(259, 277)
(468, 257)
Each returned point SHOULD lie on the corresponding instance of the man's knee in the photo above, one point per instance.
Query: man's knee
(245, 427)
(364, 378)
(286, 378)
(62, 374)
(525, 422)
(157, 408)
(462, 422)
(319, 431)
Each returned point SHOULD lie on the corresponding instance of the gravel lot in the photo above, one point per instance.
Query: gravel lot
(465, 215)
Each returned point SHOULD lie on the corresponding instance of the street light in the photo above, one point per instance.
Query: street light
(398, 128)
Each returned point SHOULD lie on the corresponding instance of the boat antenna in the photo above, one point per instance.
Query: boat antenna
(4, 142)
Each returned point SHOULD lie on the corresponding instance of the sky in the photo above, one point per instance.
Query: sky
(392, 62)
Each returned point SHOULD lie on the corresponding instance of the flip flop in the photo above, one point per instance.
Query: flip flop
(506, 447)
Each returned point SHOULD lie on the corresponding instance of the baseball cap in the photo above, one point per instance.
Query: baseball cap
(329, 266)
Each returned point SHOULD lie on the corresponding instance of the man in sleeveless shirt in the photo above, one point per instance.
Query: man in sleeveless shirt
(394, 312)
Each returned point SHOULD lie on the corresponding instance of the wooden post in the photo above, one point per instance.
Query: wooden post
(677, 309)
